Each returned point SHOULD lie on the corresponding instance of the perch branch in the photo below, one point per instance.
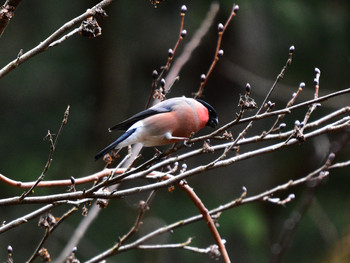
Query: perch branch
(318, 174)
(122, 193)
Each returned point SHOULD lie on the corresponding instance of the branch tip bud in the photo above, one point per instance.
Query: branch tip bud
(248, 88)
(155, 74)
(162, 83)
(291, 49)
(220, 27)
(170, 53)
(220, 53)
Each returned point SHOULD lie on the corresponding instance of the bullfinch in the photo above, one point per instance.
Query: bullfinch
(167, 122)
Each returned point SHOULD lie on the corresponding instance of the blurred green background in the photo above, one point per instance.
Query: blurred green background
(108, 78)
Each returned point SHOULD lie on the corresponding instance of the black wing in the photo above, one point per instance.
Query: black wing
(114, 144)
(139, 116)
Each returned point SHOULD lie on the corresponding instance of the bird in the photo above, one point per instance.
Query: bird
(167, 122)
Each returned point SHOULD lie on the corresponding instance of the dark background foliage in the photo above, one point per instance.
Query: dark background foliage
(108, 78)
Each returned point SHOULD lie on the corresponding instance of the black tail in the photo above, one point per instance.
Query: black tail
(114, 144)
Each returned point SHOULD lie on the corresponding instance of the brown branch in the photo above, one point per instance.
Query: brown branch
(191, 45)
(287, 110)
(279, 77)
(7, 12)
(133, 173)
(52, 150)
(262, 106)
(115, 249)
(166, 246)
(171, 53)
(281, 116)
(314, 105)
(218, 51)
(78, 233)
(208, 219)
(318, 174)
(28, 217)
(49, 230)
(250, 124)
(196, 200)
(143, 206)
(171, 181)
(67, 182)
(280, 247)
(55, 183)
(45, 44)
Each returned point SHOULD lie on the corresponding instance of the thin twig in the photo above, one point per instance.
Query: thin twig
(271, 113)
(171, 54)
(108, 172)
(49, 230)
(44, 45)
(65, 37)
(25, 219)
(281, 116)
(262, 106)
(52, 150)
(166, 246)
(115, 249)
(28, 217)
(313, 106)
(7, 12)
(237, 202)
(280, 247)
(210, 222)
(218, 52)
(191, 45)
(122, 193)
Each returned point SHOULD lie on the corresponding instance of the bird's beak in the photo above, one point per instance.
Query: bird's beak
(214, 122)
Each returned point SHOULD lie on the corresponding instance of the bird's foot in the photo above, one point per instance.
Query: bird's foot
(188, 143)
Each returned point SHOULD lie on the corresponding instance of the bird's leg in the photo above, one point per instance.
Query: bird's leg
(188, 144)
(170, 137)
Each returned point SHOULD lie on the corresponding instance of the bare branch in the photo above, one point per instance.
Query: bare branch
(44, 45)
(287, 110)
(49, 230)
(318, 174)
(218, 52)
(52, 150)
(179, 245)
(192, 45)
(210, 222)
(115, 249)
(7, 12)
